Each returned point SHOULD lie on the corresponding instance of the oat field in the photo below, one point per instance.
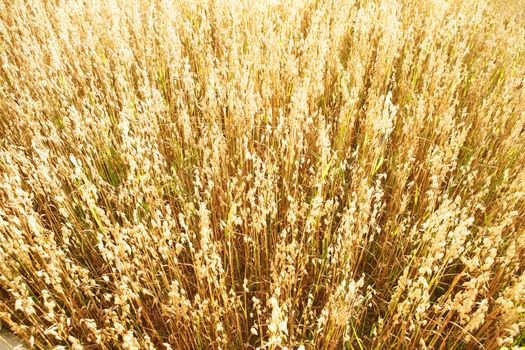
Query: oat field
(274, 174)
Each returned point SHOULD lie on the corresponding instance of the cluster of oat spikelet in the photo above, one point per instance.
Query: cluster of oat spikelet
(236, 174)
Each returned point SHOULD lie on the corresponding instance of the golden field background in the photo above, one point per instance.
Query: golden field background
(231, 174)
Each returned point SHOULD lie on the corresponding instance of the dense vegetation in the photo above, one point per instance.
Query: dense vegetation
(234, 174)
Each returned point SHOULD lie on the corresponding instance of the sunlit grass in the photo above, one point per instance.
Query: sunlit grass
(262, 175)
